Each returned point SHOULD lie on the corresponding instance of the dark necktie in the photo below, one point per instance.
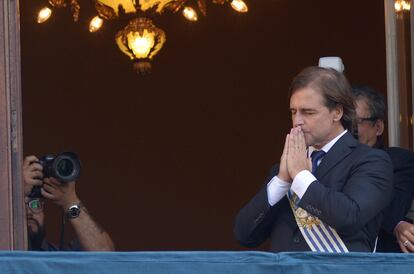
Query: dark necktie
(316, 156)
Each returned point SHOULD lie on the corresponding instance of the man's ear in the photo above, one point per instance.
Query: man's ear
(379, 126)
(338, 113)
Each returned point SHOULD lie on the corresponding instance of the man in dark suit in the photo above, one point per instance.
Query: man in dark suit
(337, 207)
(397, 231)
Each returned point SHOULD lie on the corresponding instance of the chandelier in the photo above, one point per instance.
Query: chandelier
(140, 39)
(402, 5)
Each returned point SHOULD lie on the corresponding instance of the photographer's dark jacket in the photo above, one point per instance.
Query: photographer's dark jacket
(74, 245)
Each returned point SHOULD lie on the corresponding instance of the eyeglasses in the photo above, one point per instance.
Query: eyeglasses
(366, 119)
(35, 205)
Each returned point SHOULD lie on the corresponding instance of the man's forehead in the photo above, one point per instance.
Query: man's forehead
(362, 105)
(307, 95)
(310, 103)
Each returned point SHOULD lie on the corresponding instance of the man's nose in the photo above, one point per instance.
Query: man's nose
(297, 120)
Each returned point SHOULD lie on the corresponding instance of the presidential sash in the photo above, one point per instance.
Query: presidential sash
(320, 237)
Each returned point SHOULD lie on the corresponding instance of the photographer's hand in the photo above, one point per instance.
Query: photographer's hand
(32, 173)
(92, 236)
(62, 194)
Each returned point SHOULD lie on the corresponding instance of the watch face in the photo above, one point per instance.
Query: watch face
(73, 211)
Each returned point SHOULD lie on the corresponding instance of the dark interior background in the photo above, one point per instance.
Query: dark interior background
(168, 159)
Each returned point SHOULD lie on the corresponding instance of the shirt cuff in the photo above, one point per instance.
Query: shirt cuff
(276, 189)
(301, 182)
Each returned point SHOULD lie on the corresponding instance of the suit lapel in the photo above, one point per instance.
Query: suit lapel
(342, 148)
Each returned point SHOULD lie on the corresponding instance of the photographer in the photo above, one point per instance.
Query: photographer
(90, 236)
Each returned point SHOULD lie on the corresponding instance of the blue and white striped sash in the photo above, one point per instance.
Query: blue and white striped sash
(319, 236)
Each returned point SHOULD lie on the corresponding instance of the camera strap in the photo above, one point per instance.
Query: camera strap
(62, 232)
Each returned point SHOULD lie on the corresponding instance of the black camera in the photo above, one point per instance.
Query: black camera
(65, 167)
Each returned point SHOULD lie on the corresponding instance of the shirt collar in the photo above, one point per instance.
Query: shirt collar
(329, 145)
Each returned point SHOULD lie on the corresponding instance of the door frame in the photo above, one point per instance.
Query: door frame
(13, 235)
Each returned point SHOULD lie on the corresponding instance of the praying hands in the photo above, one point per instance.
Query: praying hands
(294, 157)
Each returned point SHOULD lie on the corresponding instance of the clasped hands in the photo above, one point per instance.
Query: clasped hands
(294, 157)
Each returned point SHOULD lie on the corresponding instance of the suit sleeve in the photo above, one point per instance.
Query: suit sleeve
(403, 162)
(366, 192)
(254, 221)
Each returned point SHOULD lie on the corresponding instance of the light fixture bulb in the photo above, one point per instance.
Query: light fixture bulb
(397, 6)
(95, 24)
(239, 5)
(43, 15)
(141, 43)
(190, 14)
(406, 5)
(402, 5)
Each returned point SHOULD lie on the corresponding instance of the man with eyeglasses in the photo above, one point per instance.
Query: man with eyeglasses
(397, 231)
(89, 235)
(35, 220)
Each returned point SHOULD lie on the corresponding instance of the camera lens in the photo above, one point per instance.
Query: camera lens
(65, 167)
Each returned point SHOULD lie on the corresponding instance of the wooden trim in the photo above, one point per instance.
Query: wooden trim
(412, 70)
(392, 74)
(12, 209)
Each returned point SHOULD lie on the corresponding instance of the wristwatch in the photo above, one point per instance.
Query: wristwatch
(73, 211)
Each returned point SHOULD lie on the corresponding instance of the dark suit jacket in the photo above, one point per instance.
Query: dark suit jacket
(403, 162)
(353, 186)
